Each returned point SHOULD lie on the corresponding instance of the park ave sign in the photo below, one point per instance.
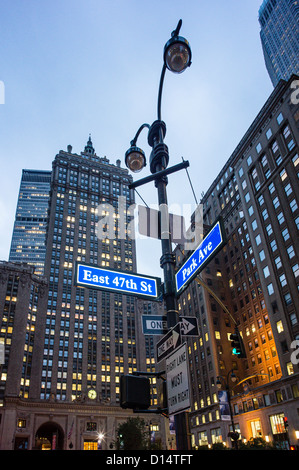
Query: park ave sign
(209, 246)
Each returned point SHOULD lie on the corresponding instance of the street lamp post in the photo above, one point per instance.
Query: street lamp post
(177, 57)
(234, 435)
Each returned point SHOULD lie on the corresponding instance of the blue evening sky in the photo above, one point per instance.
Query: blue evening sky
(73, 68)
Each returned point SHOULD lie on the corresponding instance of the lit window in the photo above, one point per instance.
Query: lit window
(283, 174)
(295, 160)
(279, 326)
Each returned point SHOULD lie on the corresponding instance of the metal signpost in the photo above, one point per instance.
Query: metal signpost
(118, 281)
(209, 246)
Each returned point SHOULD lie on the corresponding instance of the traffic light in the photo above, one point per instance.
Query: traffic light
(237, 344)
(135, 392)
(286, 424)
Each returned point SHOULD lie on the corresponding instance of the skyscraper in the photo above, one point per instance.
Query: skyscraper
(28, 238)
(103, 342)
(279, 21)
(256, 277)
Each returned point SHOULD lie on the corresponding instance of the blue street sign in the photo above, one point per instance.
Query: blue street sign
(95, 277)
(212, 242)
(154, 324)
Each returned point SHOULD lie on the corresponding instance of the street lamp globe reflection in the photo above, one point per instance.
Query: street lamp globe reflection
(177, 54)
(233, 377)
(135, 159)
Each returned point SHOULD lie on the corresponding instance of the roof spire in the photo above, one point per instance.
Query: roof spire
(89, 147)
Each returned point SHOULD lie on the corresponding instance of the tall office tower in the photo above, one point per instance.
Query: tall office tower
(28, 238)
(96, 328)
(279, 21)
(256, 276)
(77, 341)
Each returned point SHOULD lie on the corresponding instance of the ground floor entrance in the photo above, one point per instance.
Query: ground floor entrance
(49, 436)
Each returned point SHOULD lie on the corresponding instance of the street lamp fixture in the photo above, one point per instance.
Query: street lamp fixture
(233, 377)
(135, 159)
(177, 57)
(177, 54)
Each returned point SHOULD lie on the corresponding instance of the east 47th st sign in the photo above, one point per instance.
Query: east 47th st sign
(118, 281)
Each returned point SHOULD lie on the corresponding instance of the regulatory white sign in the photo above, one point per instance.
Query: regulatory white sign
(178, 380)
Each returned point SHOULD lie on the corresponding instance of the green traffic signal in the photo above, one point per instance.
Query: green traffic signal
(237, 344)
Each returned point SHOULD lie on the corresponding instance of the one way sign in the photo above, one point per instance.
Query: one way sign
(189, 326)
(169, 342)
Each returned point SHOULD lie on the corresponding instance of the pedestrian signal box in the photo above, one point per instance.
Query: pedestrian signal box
(135, 392)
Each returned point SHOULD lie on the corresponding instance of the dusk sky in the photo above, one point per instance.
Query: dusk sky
(73, 68)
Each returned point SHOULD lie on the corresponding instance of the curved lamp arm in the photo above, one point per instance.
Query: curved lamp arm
(133, 142)
(160, 91)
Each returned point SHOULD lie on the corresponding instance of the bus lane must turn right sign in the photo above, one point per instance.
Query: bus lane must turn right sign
(177, 379)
